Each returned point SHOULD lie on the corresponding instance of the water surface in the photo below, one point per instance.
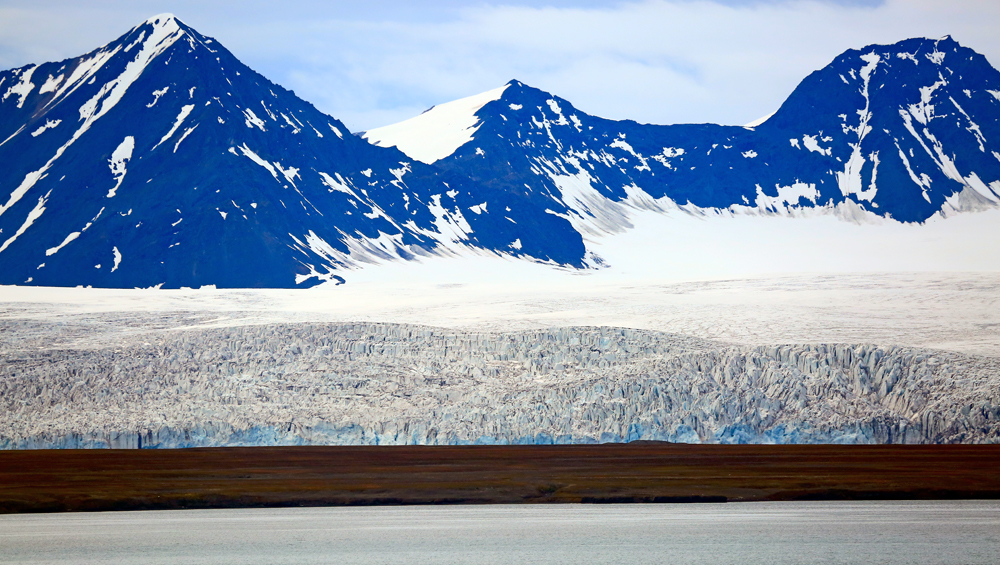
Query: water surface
(959, 532)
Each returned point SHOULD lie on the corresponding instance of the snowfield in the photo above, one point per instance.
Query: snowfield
(438, 132)
(699, 326)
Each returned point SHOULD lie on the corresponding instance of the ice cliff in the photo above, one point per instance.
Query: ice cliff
(337, 384)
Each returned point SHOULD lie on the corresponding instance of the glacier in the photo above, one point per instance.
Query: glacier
(501, 269)
(393, 384)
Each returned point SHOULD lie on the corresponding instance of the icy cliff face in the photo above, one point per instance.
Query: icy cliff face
(396, 384)
(159, 158)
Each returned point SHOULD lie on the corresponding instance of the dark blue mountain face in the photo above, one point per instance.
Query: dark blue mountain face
(161, 159)
(902, 131)
(905, 126)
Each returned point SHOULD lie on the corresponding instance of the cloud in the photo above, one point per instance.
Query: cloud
(655, 61)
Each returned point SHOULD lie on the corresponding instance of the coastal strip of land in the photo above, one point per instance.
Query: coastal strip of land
(641, 472)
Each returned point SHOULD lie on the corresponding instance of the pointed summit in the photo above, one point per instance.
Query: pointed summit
(161, 159)
(162, 19)
(904, 131)
(440, 130)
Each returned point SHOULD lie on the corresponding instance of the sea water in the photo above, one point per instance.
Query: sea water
(960, 532)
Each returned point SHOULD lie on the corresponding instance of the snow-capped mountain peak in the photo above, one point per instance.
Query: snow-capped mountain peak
(439, 131)
(163, 19)
(162, 159)
(904, 131)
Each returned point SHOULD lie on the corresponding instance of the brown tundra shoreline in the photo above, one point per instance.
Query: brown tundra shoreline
(246, 477)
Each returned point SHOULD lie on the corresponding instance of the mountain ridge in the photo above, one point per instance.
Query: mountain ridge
(184, 167)
(796, 154)
(205, 123)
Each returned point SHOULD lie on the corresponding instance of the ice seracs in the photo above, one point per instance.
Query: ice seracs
(393, 384)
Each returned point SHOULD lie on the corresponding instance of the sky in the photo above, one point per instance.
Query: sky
(378, 62)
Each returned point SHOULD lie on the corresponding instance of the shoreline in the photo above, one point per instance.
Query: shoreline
(34, 481)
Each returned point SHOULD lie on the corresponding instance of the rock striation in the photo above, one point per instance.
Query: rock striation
(387, 384)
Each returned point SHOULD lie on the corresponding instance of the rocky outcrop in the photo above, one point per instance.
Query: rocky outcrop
(338, 384)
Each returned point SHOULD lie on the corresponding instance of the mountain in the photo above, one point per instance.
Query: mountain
(905, 131)
(160, 159)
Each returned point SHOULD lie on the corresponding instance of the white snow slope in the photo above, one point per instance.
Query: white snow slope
(439, 131)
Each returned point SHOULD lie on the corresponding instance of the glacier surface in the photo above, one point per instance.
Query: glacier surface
(175, 380)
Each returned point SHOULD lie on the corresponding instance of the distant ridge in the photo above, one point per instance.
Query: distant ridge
(904, 131)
